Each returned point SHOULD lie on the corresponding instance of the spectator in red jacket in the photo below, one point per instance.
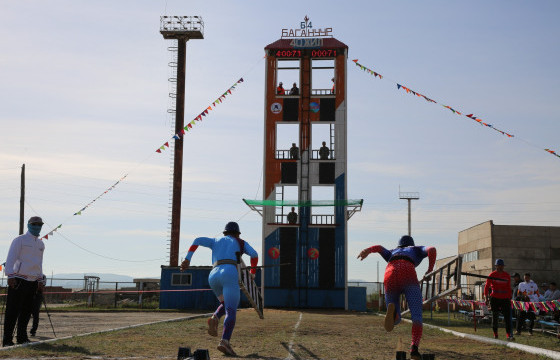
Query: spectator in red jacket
(498, 294)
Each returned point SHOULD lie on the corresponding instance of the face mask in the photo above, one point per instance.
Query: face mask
(34, 229)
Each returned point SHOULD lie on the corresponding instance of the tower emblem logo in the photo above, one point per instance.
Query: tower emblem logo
(276, 108)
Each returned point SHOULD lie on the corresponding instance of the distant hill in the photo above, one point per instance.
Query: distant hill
(76, 280)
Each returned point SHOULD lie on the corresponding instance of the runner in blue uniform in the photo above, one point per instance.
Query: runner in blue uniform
(223, 278)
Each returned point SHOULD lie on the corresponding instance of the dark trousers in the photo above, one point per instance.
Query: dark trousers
(503, 306)
(521, 320)
(19, 303)
(37, 302)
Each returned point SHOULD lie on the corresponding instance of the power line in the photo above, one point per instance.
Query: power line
(104, 256)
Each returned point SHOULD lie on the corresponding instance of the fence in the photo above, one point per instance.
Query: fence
(100, 294)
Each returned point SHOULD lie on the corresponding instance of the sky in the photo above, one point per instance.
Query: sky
(84, 97)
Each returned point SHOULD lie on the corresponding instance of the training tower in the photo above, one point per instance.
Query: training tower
(305, 258)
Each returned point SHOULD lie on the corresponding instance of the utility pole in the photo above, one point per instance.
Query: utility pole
(22, 200)
(409, 196)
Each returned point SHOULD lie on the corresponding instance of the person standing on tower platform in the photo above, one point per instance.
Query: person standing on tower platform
(24, 268)
(223, 279)
(400, 278)
(280, 89)
(292, 216)
(498, 296)
(294, 152)
(294, 90)
(324, 152)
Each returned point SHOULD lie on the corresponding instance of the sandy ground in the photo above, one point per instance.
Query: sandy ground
(75, 323)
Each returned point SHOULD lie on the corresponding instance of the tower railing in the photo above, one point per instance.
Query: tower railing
(322, 92)
(284, 155)
(315, 155)
(322, 220)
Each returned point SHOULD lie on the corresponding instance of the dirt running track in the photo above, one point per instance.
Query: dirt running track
(75, 323)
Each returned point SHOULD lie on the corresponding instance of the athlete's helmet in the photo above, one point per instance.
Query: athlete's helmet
(499, 262)
(232, 226)
(406, 241)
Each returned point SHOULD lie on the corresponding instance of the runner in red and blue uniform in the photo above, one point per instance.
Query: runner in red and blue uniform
(400, 278)
(223, 278)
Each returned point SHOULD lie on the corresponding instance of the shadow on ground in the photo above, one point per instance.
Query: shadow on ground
(64, 349)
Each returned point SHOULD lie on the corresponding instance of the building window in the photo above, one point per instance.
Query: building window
(286, 193)
(287, 142)
(181, 279)
(288, 71)
(470, 256)
(322, 215)
(322, 77)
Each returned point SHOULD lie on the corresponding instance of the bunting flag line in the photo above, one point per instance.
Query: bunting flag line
(103, 193)
(545, 306)
(470, 116)
(199, 117)
(79, 212)
(46, 237)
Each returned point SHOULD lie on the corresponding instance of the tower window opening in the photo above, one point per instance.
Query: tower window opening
(282, 213)
(323, 77)
(287, 141)
(322, 142)
(322, 215)
(288, 77)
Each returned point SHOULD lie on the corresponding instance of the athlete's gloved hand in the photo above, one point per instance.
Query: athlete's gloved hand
(363, 254)
(185, 265)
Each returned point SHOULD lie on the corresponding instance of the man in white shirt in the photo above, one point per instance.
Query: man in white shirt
(24, 268)
(528, 291)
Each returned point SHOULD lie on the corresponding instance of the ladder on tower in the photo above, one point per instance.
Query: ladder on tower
(171, 110)
(304, 186)
(331, 135)
(280, 195)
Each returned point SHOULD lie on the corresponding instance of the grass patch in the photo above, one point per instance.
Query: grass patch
(545, 341)
(320, 335)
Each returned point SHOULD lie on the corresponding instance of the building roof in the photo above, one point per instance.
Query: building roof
(284, 44)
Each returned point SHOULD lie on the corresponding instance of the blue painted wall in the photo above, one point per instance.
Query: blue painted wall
(310, 295)
(201, 297)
